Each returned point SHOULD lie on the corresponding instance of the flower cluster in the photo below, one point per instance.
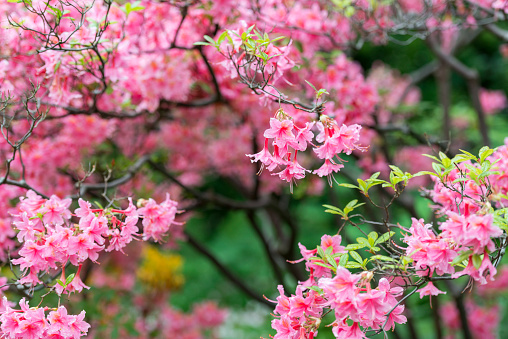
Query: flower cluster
(357, 306)
(50, 240)
(32, 322)
(298, 315)
(469, 228)
(430, 252)
(287, 139)
(351, 297)
(315, 266)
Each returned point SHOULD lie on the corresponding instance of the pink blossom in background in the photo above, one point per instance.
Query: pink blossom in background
(483, 320)
(492, 101)
(503, 49)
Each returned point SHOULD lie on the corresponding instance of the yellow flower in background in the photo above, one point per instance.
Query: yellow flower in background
(160, 271)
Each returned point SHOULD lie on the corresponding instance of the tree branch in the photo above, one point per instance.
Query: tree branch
(233, 278)
(472, 80)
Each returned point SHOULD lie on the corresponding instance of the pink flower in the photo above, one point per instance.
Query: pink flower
(341, 287)
(281, 131)
(478, 274)
(84, 211)
(265, 157)
(59, 321)
(158, 218)
(429, 289)
(78, 327)
(208, 314)
(55, 210)
(343, 331)
(327, 169)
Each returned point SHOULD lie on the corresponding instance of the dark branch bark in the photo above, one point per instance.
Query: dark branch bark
(458, 298)
(472, 80)
(268, 248)
(444, 96)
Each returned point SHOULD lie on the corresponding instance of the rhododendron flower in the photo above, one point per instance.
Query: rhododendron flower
(429, 252)
(157, 218)
(478, 274)
(429, 289)
(31, 322)
(335, 140)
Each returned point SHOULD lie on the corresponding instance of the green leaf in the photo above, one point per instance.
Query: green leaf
(407, 260)
(316, 288)
(396, 170)
(334, 212)
(363, 241)
(321, 251)
(209, 39)
(484, 153)
(354, 246)
(278, 38)
(331, 261)
(352, 203)
(353, 265)
(477, 261)
(384, 238)
(321, 92)
(418, 174)
(348, 185)
(382, 257)
(69, 279)
(322, 264)
(344, 259)
(333, 208)
(250, 28)
(469, 155)
(437, 168)
(356, 256)
(373, 236)
(461, 257)
(311, 85)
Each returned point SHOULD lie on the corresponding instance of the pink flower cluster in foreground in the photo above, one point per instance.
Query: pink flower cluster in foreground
(433, 253)
(469, 227)
(32, 323)
(350, 296)
(287, 140)
(50, 239)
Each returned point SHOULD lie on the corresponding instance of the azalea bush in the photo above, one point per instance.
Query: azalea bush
(135, 131)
